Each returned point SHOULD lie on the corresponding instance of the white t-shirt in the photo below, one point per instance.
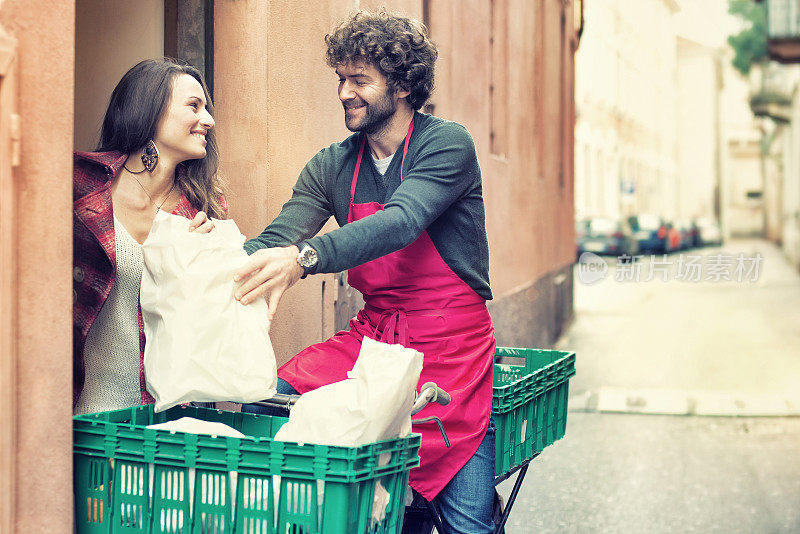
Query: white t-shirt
(382, 164)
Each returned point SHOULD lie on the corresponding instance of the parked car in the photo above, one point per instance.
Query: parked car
(652, 233)
(709, 232)
(673, 237)
(603, 235)
(689, 233)
(694, 232)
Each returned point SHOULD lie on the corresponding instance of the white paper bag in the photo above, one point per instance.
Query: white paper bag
(192, 425)
(202, 345)
(372, 404)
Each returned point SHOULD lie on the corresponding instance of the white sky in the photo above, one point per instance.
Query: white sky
(706, 21)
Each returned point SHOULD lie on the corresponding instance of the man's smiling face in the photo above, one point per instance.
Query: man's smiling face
(366, 96)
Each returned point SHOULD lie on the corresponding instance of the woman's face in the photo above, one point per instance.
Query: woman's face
(181, 132)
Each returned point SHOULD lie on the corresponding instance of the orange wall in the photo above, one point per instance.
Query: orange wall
(529, 216)
(43, 423)
(277, 106)
(102, 57)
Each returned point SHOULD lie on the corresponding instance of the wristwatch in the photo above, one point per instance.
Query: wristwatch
(307, 259)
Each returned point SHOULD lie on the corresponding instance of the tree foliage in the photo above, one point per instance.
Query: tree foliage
(750, 44)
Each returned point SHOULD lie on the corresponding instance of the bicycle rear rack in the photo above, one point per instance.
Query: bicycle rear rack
(499, 527)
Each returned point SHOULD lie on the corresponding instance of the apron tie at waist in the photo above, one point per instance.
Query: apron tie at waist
(395, 327)
(395, 321)
(430, 312)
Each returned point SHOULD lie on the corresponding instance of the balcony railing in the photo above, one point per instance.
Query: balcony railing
(783, 30)
(770, 93)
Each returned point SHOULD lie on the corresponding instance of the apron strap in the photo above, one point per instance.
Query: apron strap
(358, 166)
(354, 181)
(405, 147)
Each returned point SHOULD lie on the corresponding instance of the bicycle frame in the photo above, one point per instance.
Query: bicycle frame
(429, 392)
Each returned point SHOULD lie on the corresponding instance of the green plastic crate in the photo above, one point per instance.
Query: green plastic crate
(321, 488)
(529, 403)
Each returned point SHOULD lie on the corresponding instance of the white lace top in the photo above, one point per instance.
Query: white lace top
(111, 353)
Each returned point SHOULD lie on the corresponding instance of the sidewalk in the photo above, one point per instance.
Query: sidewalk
(636, 474)
(723, 348)
(649, 348)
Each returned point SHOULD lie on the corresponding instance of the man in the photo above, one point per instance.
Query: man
(406, 191)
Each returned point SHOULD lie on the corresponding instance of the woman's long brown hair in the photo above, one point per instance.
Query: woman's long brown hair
(137, 104)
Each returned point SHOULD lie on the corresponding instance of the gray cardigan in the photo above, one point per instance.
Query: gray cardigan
(441, 192)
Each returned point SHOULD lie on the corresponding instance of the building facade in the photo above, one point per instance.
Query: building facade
(516, 98)
(743, 185)
(788, 219)
(626, 127)
(664, 123)
(783, 47)
(505, 71)
(699, 89)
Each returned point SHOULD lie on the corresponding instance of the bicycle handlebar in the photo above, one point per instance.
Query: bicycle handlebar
(279, 401)
(430, 392)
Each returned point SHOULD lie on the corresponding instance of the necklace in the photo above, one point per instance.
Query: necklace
(124, 166)
(151, 198)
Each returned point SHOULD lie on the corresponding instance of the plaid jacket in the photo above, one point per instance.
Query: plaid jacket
(94, 253)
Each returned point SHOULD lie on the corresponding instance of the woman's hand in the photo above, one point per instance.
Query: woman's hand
(269, 270)
(201, 223)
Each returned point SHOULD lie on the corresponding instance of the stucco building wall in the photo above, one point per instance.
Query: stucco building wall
(40, 462)
(106, 46)
(699, 85)
(626, 99)
(276, 105)
(276, 109)
(527, 176)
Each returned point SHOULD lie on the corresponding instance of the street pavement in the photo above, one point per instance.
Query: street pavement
(683, 410)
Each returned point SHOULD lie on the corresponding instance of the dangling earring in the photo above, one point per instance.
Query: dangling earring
(150, 156)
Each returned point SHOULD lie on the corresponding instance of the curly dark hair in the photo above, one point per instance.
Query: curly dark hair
(398, 47)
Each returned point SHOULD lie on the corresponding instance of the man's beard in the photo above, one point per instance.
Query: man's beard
(376, 115)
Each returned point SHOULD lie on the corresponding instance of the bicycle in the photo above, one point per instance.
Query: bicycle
(282, 404)
(132, 478)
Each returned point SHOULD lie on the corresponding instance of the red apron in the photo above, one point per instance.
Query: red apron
(413, 298)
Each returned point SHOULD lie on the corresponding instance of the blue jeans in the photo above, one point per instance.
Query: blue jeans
(465, 503)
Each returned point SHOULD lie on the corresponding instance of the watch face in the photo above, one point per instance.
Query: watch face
(308, 258)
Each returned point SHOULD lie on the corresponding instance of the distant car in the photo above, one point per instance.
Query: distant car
(673, 238)
(694, 233)
(603, 235)
(709, 232)
(652, 233)
(689, 233)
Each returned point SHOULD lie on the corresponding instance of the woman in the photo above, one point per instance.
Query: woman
(157, 151)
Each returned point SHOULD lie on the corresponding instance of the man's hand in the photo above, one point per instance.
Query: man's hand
(269, 270)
